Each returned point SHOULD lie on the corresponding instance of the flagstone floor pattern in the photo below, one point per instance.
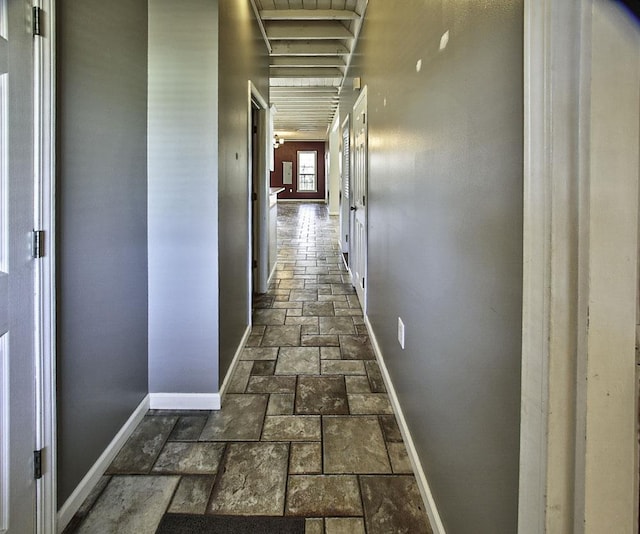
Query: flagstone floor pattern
(306, 427)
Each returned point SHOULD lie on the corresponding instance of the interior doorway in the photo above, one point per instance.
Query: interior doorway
(358, 205)
(345, 178)
(258, 137)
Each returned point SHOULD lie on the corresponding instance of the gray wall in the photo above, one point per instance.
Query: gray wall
(102, 227)
(445, 240)
(243, 57)
(183, 201)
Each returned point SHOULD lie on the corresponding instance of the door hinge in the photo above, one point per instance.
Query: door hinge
(255, 264)
(37, 464)
(38, 244)
(254, 196)
(37, 17)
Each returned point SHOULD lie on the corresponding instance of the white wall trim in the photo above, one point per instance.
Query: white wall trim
(75, 500)
(236, 359)
(45, 327)
(423, 484)
(184, 401)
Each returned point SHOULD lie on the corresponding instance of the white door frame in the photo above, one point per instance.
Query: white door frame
(264, 142)
(356, 206)
(579, 406)
(44, 219)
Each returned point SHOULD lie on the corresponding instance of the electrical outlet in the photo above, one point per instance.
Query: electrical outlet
(401, 333)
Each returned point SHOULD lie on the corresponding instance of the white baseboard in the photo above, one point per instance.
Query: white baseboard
(423, 485)
(234, 362)
(75, 500)
(185, 401)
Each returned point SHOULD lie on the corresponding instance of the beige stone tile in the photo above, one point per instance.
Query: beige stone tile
(291, 428)
(369, 403)
(239, 419)
(298, 361)
(192, 495)
(305, 459)
(336, 325)
(269, 317)
(320, 341)
(281, 336)
(323, 495)
(393, 504)
(280, 404)
(252, 480)
(189, 458)
(259, 353)
(143, 447)
(344, 525)
(342, 367)
(240, 378)
(330, 353)
(272, 384)
(321, 395)
(357, 384)
(354, 445)
(130, 504)
(400, 462)
(314, 526)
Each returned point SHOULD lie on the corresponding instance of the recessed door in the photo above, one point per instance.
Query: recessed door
(358, 254)
(17, 361)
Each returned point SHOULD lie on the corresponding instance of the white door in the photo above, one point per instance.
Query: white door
(358, 255)
(17, 367)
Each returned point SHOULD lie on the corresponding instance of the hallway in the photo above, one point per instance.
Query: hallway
(306, 428)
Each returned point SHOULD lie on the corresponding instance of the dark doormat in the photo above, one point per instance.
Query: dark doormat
(227, 524)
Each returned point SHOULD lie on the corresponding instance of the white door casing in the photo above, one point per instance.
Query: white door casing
(358, 237)
(17, 277)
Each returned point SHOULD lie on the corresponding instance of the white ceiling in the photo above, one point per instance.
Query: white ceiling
(310, 45)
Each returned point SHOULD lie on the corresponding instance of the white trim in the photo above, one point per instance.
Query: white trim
(75, 500)
(256, 12)
(184, 401)
(262, 185)
(236, 359)
(44, 219)
(5, 387)
(421, 478)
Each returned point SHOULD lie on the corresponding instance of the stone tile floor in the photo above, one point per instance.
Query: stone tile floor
(305, 429)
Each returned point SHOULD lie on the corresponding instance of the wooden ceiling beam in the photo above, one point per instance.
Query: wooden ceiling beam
(281, 30)
(305, 72)
(308, 48)
(307, 61)
(308, 14)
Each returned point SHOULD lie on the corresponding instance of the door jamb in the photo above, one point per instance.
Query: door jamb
(353, 136)
(44, 219)
(263, 193)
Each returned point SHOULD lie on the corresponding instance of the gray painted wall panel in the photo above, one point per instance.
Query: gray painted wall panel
(445, 240)
(102, 227)
(183, 201)
(243, 57)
